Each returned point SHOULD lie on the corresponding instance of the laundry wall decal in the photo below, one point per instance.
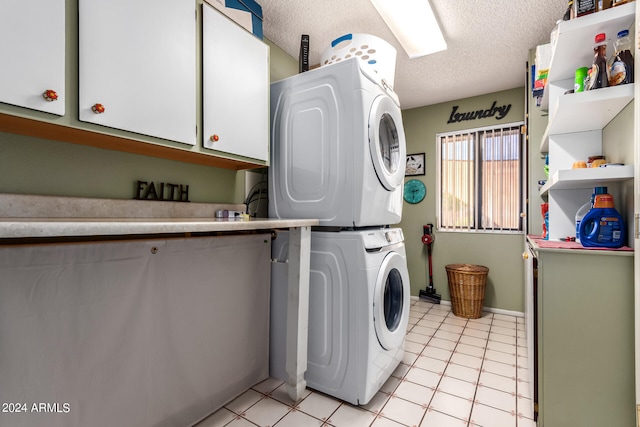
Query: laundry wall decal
(499, 113)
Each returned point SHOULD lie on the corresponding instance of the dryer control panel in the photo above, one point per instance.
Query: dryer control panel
(376, 239)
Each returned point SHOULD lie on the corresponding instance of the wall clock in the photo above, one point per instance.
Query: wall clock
(414, 191)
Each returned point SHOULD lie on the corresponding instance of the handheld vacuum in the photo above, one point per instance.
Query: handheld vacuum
(429, 294)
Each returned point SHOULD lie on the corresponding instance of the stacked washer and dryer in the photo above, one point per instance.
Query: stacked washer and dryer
(338, 155)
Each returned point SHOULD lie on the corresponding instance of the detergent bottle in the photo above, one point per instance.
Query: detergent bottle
(602, 226)
(584, 209)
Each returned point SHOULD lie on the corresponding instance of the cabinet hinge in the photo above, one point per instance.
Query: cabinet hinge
(636, 223)
(638, 415)
(523, 129)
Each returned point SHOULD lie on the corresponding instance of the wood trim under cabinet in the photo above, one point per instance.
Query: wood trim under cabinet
(39, 129)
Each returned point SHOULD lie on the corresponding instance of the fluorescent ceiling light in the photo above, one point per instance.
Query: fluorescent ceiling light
(413, 23)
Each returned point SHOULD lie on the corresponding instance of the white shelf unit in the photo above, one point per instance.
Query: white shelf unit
(572, 179)
(577, 120)
(575, 40)
(586, 111)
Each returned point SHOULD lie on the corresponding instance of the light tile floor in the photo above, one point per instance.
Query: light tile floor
(455, 373)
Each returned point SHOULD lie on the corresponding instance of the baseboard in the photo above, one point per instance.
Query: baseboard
(489, 309)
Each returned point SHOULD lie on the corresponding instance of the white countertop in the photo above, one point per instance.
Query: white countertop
(24, 218)
(541, 245)
(29, 216)
(62, 227)
(33, 216)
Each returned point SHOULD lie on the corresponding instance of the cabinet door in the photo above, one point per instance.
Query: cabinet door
(585, 339)
(235, 88)
(138, 61)
(33, 54)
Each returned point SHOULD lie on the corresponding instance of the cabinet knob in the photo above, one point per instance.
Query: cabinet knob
(50, 95)
(98, 108)
(214, 138)
(525, 255)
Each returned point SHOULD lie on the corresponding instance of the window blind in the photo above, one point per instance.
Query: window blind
(480, 173)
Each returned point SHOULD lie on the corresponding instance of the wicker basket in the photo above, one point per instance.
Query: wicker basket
(467, 283)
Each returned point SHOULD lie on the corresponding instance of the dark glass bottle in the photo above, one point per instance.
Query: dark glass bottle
(598, 74)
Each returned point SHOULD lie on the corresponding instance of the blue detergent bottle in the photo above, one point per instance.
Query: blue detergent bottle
(602, 226)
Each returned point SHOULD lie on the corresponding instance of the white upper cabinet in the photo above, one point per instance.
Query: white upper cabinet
(137, 66)
(33, 54)
(235, 88)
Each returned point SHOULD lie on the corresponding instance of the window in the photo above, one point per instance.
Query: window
(480, 180)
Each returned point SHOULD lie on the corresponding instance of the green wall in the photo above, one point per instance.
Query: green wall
(502, 253)
(282, 64)
(37, 166)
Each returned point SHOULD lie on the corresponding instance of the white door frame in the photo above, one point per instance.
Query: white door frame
(636, 209)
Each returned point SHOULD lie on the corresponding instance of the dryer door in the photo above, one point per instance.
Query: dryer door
(387, 142)
(391, 301)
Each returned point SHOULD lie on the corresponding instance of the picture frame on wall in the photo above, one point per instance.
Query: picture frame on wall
(415, 165)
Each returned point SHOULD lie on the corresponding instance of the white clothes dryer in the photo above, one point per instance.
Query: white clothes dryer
(358, 310)
(338, 148)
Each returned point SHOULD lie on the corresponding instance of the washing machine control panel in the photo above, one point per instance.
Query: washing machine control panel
(381, 238)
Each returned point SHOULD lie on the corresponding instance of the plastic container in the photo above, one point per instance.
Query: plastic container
(584, 209)
(620, 65)
(379, 55)
(602, 226)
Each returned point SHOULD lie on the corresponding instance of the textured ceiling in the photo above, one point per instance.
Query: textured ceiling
(488, 41)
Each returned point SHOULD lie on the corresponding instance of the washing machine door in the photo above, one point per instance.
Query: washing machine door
(391, 301)
(387, 142)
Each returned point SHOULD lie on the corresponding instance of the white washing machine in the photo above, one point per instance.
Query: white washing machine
(358, 310)
(338, 148)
